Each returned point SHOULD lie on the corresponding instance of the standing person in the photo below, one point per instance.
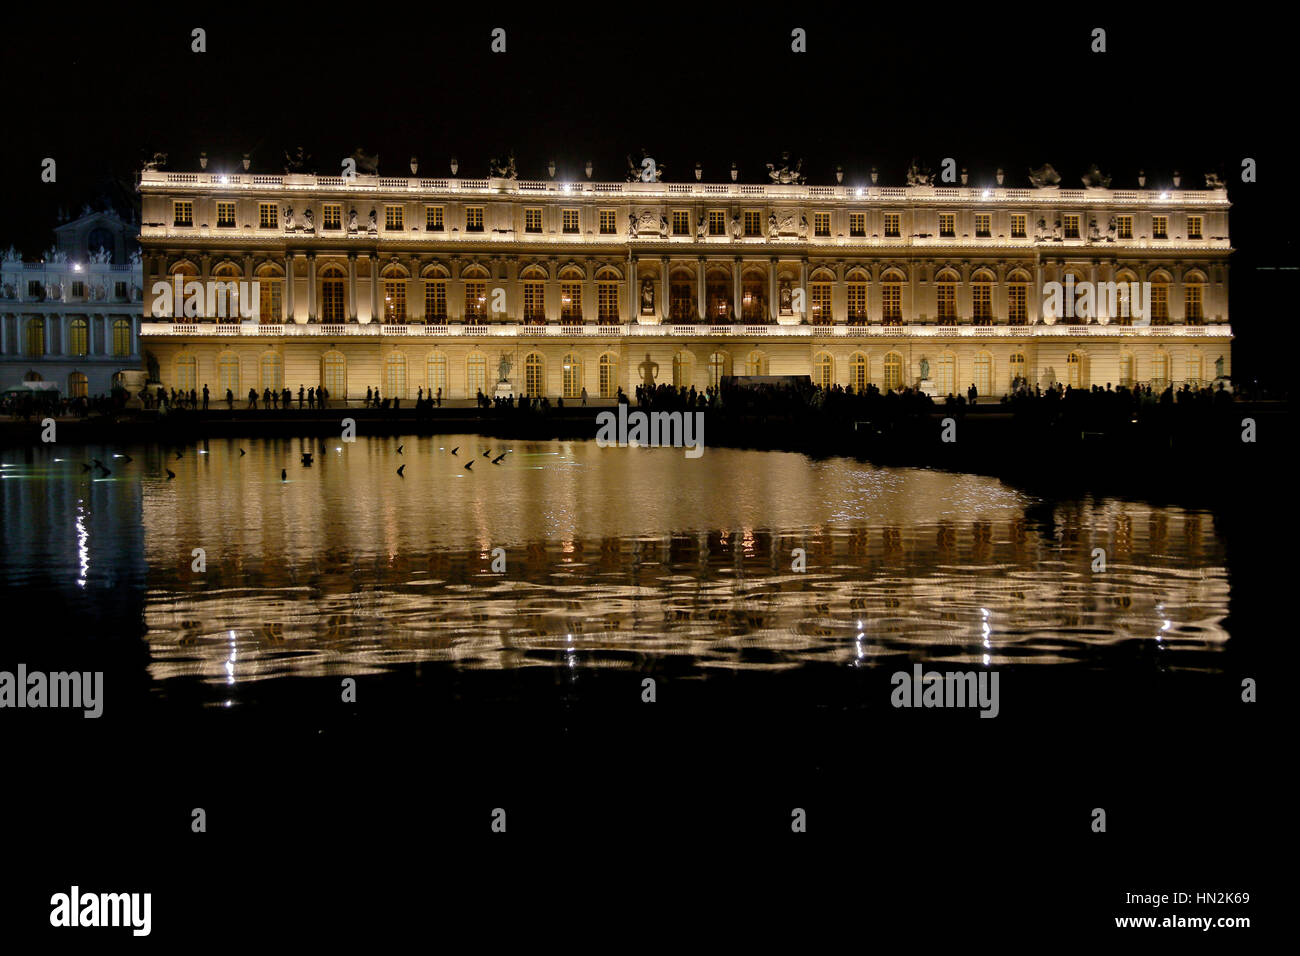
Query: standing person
(440, 396)
(419, 395)
(266, 399)
(367, 396)
(322, 394)
(376, 396)
(205, 396)
(311, 398)
(971, 393)
(230, 399)
(584, 394)
(300, 395)
(252, 398)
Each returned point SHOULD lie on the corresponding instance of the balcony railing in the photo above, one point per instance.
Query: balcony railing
(512, 330)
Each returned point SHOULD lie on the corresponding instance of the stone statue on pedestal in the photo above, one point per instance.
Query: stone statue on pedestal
(648, 369)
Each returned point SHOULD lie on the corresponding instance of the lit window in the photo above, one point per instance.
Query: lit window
(183, 213)
(893, 225)
(857, 224)
(532, 220)
(1018, 226)
(821, 224)
(570, 220)
(474, 219)
(393, 217)
(608, 222)
(1159, 227)
(1124, 226)
(1071, 227)
(268, 215)
(753, 223)
(983, 225)
(1193, 227)
(681, 222)
(947, 225)
(717, 222)
(433, 219)
(331, 216)
(225, 215)
(435, 300)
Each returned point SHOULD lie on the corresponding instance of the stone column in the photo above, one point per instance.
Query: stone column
(376, 291)
(735, 289)
(701, 303)
(311, 286)
(665, 303)
(803, 286)
(352, 287)
(288, 287)
(773, 305)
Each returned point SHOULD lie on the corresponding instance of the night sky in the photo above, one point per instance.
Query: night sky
(1013, 88)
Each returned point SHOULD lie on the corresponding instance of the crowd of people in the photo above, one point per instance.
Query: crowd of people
(30, 405)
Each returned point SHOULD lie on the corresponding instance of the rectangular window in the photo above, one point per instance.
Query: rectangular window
(893, 225)
(1017, 226)
(1195, 313)
(947, 225)
(982, 302)
(607, 222)
(183, 211)
(821, 303)
(891, 302)
(1160, 303)
(857, 300)
(268, 215)
(331, 216)
(225, 215)
(1124, 226)
(717, 222)
(947, 297)
(571, 300)
(34, 289)
(475, 299)
(821, 224)
(395, 300)
(983, 225)
(1193, 227)
(857, 224)
(433, 219)
(119, 290)
(753, 222)
(532, 220)
(1159, 227)
(393, 217)
(534, 310)
(681, 222)
(1071, 227)
(435, 301)
(474, 219)
(607, 301)
(78, 290)
(1018, 303)
(571, 221)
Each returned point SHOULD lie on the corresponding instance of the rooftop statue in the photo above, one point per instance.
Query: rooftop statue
(1044, 176)
(505, 170)
(1094, 178)
(785, 175)
(916, 176)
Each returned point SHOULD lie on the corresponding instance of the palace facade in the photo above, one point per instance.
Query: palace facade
(413, 283)
(70, 322)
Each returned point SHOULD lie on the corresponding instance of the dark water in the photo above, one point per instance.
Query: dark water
(613, 557)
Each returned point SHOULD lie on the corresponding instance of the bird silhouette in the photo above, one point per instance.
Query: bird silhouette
(497, 459)
(170, 474)
(456, 449)
(97, 462)
(242, 453)
(399, 448)
(400, 470)
(284, 475)
(469, 465)
(179, 456)
(488, 453)
(85, 467)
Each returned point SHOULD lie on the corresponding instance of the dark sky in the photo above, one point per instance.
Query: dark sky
(1011, 87)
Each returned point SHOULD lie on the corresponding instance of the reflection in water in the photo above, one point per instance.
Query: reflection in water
(614, 555)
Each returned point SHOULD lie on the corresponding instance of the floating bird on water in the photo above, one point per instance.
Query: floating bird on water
(400, 470)
(456, 449)
(399, 448)
(497, 459)
(284, 475)
(306, 459)
(488, 453)
(170, 474)
(242, 453)
(469, 465)
(178, 456)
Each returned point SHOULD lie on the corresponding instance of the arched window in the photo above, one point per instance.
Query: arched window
(683, 366)
(753, 296)
(859, 371)
(394, 294)
(225, 285)
(533, 285)
(1159, 299)
(78, 386)
(572, 375)
(1075, 377)
(1124, 301)
(756, 363)
(475, 293)
(333, 295)
(121, 338)
(78, 337)
(475, 374)
(819, 297)
(893, 371)
(719, 366)
(1018, 298)
(186, 372)
(1017, 367)
(823, 370)
(395, 375)
(228, 375)
(534, 375)
(946, 296)
(1160, 371)
(717, 293)
(437, 369)
(681, 295)
(435, 294)
(946, 374)
(857, 297)
(36, 337)
(608, 369)
(983, 373)
(891, 298)
(1194, 299)
(334, 374)
(272, 366)
(982, 302)
(570, 295)
(270, 294)
(607, 283)
(1195, 370)
(1126, 369)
